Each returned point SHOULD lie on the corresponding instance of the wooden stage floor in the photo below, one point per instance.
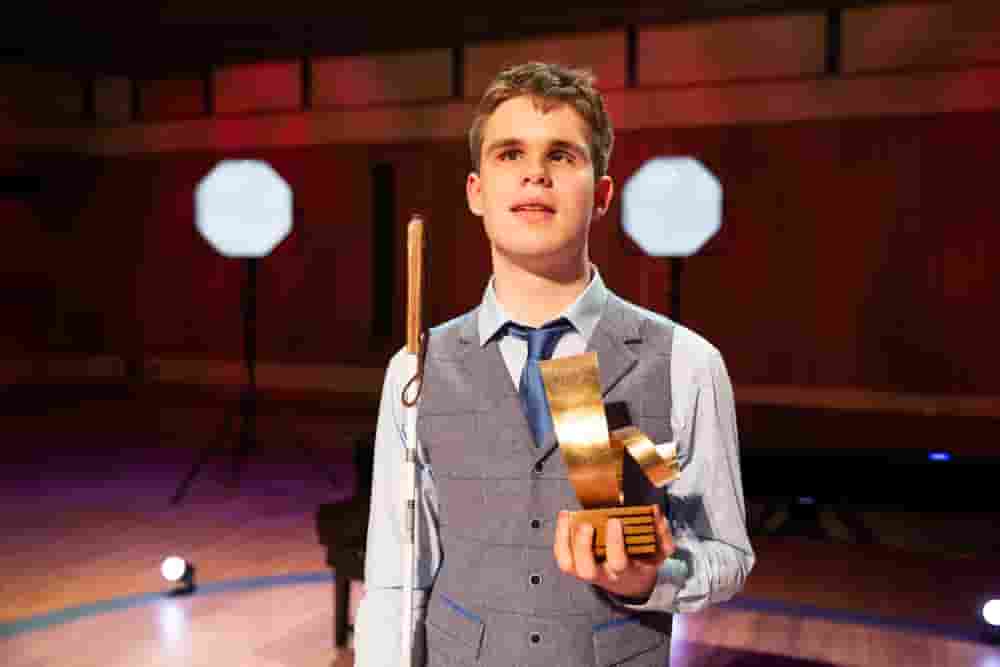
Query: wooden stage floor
(86, 523)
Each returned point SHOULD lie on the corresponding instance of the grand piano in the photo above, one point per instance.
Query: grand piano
(342, 528)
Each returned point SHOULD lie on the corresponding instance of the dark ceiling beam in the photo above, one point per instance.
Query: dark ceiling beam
(187, 36)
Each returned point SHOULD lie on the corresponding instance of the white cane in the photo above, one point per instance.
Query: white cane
(415, 248)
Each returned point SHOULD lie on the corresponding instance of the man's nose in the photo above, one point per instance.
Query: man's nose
(536, 174)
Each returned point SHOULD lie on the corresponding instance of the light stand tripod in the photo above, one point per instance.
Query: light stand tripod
(243, 209)
(676, 270)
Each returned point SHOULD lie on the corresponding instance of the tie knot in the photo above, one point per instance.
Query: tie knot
(541, 341)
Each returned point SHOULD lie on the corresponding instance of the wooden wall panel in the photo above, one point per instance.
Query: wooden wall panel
(733, 104)
(113, 99)
(858, 256)
(41, 96)
(431, 181)
(97, 261)
(24, 239)
(743, 48)
(319, 285)
(174, 98)
(382, 78)
(604, 53)
(958, 182)
(760, 310)
(473, 265)
(923, 35)
(258, 87)
(23, 282)
(61, 278)
(187, 299)
(871, 275)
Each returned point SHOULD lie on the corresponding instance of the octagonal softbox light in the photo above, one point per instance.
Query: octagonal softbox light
(243, 208)
(672, 206)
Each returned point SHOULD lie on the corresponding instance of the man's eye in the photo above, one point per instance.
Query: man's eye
(561, 156)
(509, 154)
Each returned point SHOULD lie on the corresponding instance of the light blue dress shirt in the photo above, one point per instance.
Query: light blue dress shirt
(708, 514)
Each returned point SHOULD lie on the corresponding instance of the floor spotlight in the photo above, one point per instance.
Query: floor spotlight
(990, 616)
(179, 572)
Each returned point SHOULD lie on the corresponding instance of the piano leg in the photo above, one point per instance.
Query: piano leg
(341, 602)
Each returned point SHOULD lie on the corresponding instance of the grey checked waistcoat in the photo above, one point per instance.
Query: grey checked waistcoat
(499, 597)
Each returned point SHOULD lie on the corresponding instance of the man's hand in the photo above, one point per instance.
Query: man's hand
(618, 574)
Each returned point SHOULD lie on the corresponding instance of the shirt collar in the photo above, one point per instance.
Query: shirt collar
(583, 313)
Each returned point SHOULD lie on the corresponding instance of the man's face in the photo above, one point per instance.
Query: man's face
(535, 189)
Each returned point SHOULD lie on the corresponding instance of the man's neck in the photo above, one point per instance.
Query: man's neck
(534, 298)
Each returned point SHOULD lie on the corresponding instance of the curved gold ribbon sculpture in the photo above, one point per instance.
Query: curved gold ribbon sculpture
(594, 457)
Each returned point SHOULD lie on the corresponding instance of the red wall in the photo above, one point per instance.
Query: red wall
(853, 253)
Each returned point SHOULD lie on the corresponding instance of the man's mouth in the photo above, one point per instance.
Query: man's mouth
(532, 208)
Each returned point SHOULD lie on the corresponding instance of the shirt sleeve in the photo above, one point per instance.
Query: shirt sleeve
(378, 625)
(707, 508)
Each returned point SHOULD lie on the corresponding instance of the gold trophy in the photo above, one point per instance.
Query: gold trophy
(594, 457)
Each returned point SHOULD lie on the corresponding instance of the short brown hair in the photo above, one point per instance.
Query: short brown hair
(547, 81)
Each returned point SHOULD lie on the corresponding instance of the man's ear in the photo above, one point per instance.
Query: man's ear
(474, 193)
(604, 190)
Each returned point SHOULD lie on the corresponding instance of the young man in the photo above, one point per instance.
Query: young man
(502, 579)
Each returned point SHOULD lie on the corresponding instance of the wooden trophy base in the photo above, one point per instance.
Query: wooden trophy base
(637, 521)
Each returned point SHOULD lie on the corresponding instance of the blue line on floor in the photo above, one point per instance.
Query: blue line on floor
(855, 618)
(44, 621)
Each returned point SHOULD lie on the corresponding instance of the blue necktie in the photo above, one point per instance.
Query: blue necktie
(541, 344)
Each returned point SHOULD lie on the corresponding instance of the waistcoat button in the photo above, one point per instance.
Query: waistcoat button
(535, 637)
(535, 523)
(539, 467)
(535, 579)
